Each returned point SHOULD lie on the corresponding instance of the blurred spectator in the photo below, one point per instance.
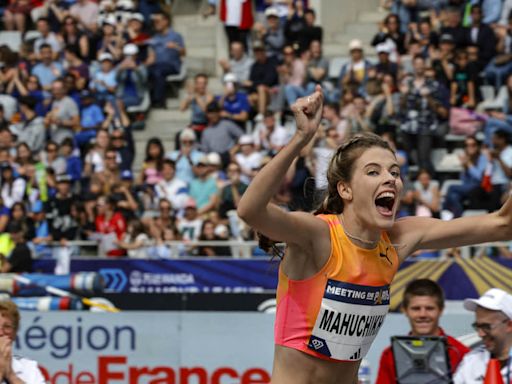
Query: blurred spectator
(385, 66)
(111, 225)
(151, 172)
(262, 78)
(76, 67)
(317, 66)
(86, 14)
(269, 136)
(295, 25)
(474, 163)
(111, 42)
(137, 35)
(13, 188)
(237, 17)
(358, 120)
(122, 142)
(499, 113)
(389, 29)
(249, 160)
(51, 158)
(501, 65)
(112, 173)
(272, 34)
(20, 258)
(209, 233)
(48, 70)
(91, 118)
(73, 162)
(165, 58)
(452, 26)
(197, 100)
(74, 37)
(190, 224)
(203, 188)
(442, 59)
(30, 129)
(234, 103)
(187, 156)
(16, 15)
(231, 194)
(221, 134)
(64, 115)
(42, 235)
(427, 195)
(421, 113)
(482, 35)
(354, 74)
(331, 115)
(463, 91)
(94, 162)
(135, 240)
(29, 87)
(131, 78)
(58, 210)
(423, 305)
(293, 74)
(171, 187)
(104, 81)
(47, 37)
(239, 63)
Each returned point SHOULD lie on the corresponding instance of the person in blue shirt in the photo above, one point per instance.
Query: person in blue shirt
(104, 82)
(474, 163)
(47, 70)
(164, 59)
(91, 118)
(42, 231)
(235, 105)
(73, 162)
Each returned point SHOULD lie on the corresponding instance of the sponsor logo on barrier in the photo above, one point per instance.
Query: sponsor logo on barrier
(118, 369)
(115, 279)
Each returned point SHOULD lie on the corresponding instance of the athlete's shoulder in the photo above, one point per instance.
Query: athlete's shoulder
(477, 354)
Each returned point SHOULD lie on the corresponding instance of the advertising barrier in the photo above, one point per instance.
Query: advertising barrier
(473, 276)
(171, 347)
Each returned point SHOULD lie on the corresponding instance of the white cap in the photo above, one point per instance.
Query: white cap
(214, 158)
(271, 11)
(110, 19)
(383, 48)
(137, 16)
(245, 139)
(188, 134)
(105, 56)
(355, 44)
(494, 299)
(230, 78)
(221, 230)
(130, 49)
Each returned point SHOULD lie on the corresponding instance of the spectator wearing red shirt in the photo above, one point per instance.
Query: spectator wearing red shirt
(423, 305)
(109, 220)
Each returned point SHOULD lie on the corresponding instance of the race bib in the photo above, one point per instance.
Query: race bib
(349, 319)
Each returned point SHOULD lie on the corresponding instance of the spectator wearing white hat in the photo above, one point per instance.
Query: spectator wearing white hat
(203, 188)
(272, 34)
(131, 77)
(137, 35)
(493, 322)
(187, 156)
(111, 41)
(248, 158)
(235, 104)
(269, 136)
(354, 74)
(104, 82)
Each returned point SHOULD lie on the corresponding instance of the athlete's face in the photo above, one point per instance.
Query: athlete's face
(495, 330)
(423, 313)
(375, 188)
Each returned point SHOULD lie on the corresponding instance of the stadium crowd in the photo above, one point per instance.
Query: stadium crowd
(432, 79)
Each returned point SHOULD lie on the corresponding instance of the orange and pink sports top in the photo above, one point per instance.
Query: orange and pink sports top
(336, 313)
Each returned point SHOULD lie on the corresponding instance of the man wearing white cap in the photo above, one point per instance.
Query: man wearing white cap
(493, 322)
(356, 70)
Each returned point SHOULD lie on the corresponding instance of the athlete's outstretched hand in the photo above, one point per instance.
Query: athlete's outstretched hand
(308, 113)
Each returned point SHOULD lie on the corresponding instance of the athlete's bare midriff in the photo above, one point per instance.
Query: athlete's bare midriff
(296, 367)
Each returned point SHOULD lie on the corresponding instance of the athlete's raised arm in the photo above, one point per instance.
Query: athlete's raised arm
(415, 233)
(255, 207)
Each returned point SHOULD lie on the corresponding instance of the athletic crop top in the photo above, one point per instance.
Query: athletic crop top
(336, 313)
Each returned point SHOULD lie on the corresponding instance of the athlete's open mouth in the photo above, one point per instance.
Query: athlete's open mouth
(385, 202)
